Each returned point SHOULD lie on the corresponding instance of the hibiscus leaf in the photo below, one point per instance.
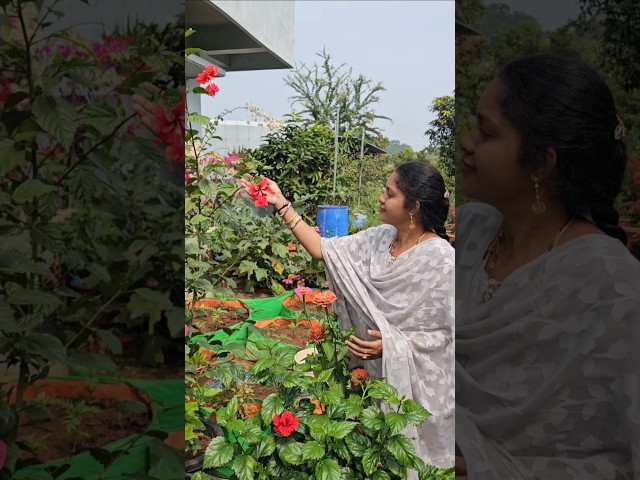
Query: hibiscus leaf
(292, 453)
(341, 429)
(357, 443)
(265, 447)
(312, 451)
(328, 470)
(218, 453)
(244, 466)
(32, 188)
(385, 392)
(56, 117)
(415, 413)
(271, 406)
(370, 460)
(373, 418)
(401, 448)
(396, 422)
(325, 375)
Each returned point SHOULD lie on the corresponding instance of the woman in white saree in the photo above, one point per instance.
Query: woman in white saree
(395, 284)
(547, 294)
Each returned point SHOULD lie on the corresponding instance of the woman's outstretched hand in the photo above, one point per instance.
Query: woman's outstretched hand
(273, 194)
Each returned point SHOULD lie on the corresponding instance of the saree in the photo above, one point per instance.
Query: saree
(547, 383)
(411, 302)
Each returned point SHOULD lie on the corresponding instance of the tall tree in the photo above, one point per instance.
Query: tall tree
(324, 86)
(441, 132)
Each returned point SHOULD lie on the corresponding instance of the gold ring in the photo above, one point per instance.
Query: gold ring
(364, 356)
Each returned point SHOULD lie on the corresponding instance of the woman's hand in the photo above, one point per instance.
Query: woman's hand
(366, 350)
(143, 107)
(276, 198)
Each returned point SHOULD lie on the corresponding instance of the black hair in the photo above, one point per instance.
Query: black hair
(561, 103)
(421, 182)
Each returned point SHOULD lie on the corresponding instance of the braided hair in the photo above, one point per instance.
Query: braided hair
(422, 183)
(561, 103)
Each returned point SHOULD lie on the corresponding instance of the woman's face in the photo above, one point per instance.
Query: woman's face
(392, 209)
(491, 170)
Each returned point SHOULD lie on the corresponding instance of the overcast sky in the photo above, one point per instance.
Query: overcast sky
(406, 45)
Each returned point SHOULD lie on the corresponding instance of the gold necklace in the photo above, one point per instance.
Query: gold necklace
(392, 247)
(492, 285)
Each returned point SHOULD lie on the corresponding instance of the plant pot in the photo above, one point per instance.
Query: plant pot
(302, 354)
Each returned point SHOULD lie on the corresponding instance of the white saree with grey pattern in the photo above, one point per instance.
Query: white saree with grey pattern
(547, 382)
(411, 302)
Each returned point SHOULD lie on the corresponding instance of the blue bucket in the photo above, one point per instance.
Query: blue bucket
(333, 220)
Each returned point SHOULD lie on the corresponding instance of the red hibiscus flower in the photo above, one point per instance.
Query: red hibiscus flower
(285, 424)
(316, 333)
(359, 375)
(212, 89)
(208, 74)
(259, 193)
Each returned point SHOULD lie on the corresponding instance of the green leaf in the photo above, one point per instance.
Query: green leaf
(232, 406)
(370, 460)
(372, 418)
(380, 475)
(396, 421)
(329, 397)
(192, 51)
(265, 447)
(188, 32)
(100, 272)
(218, 453)
(43, 345)
(353, 407)
(33, 297)
(175, 321)
(325, 375)
(56, 117)
(244, 466)
(328, 470)
(263, 364)
(103, 117)
(292, 453)
(160, 299)
(198, 118)
(342, 450)
(165, 462)
(401, 448)
(247, 267)
(312, 451)
(32, 188)
(329, 350)
(11, 158)
(414, 412)
(384, 391)
(341, 429)
(111, 341)
(271, 406)
(260, 274)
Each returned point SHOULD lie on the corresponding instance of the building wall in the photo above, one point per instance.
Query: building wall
(271, 22)
(238, 134)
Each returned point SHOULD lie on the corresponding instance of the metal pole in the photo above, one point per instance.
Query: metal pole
(361, 162)
(335, 162)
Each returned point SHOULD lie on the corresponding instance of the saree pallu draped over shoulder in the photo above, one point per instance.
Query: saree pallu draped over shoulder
(411, 302)
(547, 383)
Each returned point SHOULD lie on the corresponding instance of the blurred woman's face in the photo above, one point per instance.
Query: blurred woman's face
(491, 170)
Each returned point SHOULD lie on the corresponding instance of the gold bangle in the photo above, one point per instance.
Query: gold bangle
(289, 222)
(295, 224)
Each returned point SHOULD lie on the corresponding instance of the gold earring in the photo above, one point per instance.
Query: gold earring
(411, 224)
(538, 206)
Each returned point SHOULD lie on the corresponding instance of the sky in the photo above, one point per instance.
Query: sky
(408, 46)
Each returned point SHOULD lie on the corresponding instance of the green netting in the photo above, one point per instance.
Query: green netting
(243, 342)
(267, 308)
(167, 397)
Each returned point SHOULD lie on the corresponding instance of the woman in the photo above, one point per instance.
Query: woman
(395, 284)
(547, 294)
